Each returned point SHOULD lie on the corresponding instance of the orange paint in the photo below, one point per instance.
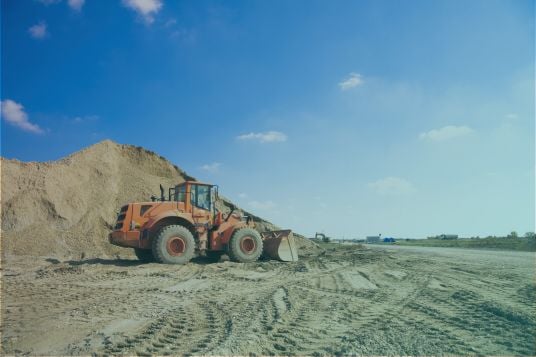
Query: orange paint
(139, 222)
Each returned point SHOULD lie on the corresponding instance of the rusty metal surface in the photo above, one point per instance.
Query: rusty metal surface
(280, 245)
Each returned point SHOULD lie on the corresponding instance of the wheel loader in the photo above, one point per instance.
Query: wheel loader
(173, 230)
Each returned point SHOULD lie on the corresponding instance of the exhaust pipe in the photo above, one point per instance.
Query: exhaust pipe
(162, 197)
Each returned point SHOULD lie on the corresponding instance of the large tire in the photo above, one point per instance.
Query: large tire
(145, 255)
(174, 244)
(245, 245)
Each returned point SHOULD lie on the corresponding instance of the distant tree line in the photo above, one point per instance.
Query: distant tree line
(513, 234)
(511, 241)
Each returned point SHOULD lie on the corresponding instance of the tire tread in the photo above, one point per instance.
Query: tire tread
(234, 250)
(157, 253)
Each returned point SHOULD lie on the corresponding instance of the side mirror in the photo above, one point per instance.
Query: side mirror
(162, 198)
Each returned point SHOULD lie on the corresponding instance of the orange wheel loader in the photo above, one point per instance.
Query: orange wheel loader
(172, 230)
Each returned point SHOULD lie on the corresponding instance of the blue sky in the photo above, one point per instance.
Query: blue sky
(352, 118)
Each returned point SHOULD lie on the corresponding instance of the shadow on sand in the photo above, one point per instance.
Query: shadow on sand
(129, 262)
(101, 261)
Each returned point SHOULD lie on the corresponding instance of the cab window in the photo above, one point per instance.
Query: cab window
(200, 196)
(180, 193)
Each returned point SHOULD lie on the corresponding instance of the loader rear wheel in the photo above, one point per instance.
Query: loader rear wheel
(245, 245)
(174, 244)
(145, 255)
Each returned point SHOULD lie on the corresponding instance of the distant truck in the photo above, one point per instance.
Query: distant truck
(389, 240)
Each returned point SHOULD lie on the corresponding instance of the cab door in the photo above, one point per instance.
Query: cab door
(201, 201)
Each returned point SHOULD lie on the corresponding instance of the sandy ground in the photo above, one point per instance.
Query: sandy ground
(388, 300)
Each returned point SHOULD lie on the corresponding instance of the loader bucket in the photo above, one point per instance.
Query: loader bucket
(280, 245)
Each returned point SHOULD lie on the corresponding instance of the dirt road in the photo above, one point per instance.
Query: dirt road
(346, 300)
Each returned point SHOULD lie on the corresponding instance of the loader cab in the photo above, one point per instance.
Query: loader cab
(196, 195)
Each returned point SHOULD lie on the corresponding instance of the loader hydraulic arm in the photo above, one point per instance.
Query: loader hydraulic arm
(233, 208)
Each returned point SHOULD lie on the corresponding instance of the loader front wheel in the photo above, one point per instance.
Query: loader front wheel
(174, 244)
(245, 245)
(144, 255)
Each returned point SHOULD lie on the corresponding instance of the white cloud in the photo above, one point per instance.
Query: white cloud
(267, 137)
(145, 8)
(76, 5)
(85, 119)
(511, 116)
(170, 23)
(211, 168)
(446, 133)
(242, 195)
(39, 30)
(353, 80)
(262, 205)
(13, 113)
(392, 186)
(186, 36)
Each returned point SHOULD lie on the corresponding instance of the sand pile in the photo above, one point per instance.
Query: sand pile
(66, 208)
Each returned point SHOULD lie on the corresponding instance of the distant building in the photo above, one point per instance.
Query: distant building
(373, 239)
(448, 236)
